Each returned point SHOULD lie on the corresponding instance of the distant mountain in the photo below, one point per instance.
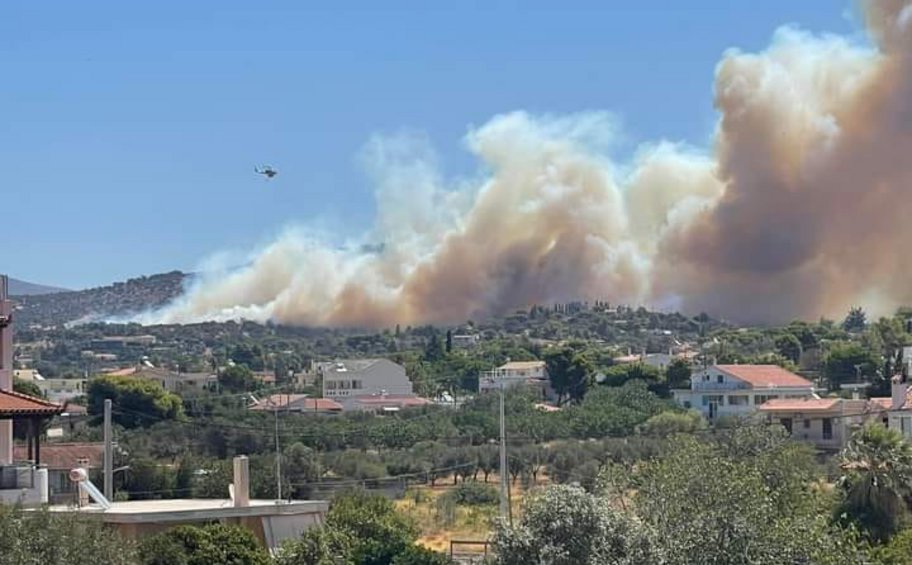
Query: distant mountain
(23, 288)
(119, 299)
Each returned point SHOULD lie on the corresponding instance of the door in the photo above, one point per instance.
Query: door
(713, 409)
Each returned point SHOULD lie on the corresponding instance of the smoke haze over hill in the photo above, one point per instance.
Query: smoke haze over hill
(799, 209)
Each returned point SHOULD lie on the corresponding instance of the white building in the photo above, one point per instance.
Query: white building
(345, 378)
(272, 522)
(185, 384)
(739, 390)
(55, 390)
(517, 373)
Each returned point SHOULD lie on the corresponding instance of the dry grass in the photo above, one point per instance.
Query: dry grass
(465, 524)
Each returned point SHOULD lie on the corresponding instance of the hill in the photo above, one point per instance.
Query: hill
(118, 299)
(24, 288)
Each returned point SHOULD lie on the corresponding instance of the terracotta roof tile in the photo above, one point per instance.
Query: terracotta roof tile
(15, 403)
(297, 402)
(883, 402)
(765, 376)
(799, 405)
(66, 456)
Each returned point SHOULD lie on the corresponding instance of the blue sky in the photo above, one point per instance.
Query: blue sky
(129, 131)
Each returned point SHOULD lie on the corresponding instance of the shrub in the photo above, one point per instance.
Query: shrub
(474, 494)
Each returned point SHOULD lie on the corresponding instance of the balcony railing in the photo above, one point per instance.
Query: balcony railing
(714, 385)
(17, 476)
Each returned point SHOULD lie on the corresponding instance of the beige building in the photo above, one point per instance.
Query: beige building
(825, 423)
(183, 384)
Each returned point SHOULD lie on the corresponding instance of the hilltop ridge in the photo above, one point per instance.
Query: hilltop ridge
(118, 299)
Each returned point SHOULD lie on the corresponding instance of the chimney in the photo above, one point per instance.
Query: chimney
(241, 481)
(899, 388)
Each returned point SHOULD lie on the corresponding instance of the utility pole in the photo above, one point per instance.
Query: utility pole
(278, 457)
(505, 509)
(108, 452)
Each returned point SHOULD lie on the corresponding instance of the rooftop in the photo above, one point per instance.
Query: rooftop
(521, 365)
(18, 404)
(66, 456)
(389, 399)
(302, 401)
(765, 376)
(800, 404)
(180, 510)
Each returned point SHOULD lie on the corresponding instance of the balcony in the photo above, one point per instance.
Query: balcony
(702, 386)
(23, 483)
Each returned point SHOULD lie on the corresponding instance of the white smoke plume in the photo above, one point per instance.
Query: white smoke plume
(801, 208)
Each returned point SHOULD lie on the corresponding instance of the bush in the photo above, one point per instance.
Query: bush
(57, 539)
(474, 494)
(213, 543)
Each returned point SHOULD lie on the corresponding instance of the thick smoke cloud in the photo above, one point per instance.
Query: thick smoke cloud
(801, 208)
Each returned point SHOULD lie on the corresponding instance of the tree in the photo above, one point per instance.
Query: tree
(203, 545)
(845, 361)
(565, 525)
(48, 538)
(789, 347)
(360, 528)
(137, 402)
(855, 320)
(614, 410)
(237, 378)
(877, 479)
(678, 373)
(417, 555)
(570, 372)
(756, 503)
(434, 349)
(27, 387)
(673, 422)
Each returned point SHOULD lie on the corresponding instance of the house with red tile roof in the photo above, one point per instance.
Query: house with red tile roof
(60, 458)
(740, 390)
(825, 423)
(300, 403)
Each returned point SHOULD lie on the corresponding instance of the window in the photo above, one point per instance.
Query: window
(357, 384)
(827, 428)
(761, 398)
(807, 424)
(738, 400)
(720, 379)
(787, 424)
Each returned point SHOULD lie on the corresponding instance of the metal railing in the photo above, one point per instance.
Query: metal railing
(17, 476)
(714, 385)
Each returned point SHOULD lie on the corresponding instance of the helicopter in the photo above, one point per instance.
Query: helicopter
(266, 170)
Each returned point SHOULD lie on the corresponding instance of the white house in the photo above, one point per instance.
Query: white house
(364, 377)
(181, 383)
(515, 373)
(739, 390)
(55, 390)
